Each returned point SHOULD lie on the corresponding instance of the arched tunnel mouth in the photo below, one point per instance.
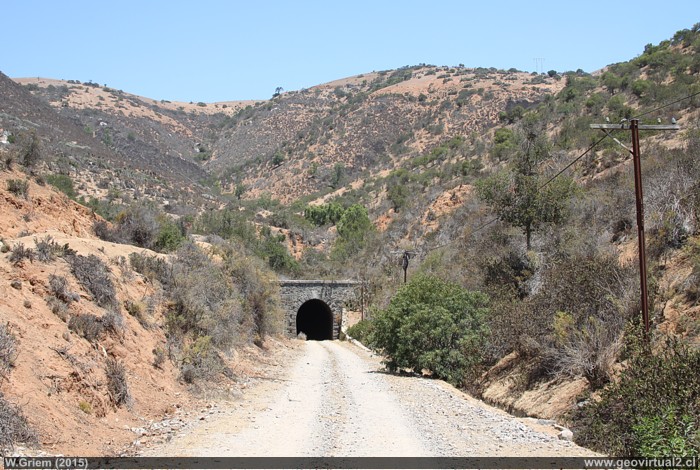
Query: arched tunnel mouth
(315, 320)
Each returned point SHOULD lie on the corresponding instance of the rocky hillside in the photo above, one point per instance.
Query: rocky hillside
(106, 139)
(87, 363)
(293, 145)
(490, 179)
(58, 376)
(307, 141)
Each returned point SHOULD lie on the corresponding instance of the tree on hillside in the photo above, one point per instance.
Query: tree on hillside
(354, 228)
(433, 324)
(239, 190)
(30, 153)
(397, 188)
(518, 195)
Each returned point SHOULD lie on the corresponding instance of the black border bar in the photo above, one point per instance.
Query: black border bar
(195, 463)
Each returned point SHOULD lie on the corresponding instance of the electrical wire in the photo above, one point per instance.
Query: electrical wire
(549, 181)
(668, 104)
(572, 163)
(559, 173)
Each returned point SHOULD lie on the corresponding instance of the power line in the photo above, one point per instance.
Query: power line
(549, 181)
(572, 163)
(634, 127)
(668, 104)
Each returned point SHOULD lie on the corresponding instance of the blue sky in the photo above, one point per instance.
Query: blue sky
(208, 50)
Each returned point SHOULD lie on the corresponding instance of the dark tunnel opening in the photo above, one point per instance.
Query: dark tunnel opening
(315, 320)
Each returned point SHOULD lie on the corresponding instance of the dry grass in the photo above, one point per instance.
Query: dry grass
(8, 350)
(116, 382)
(94, 275)
(14, 427)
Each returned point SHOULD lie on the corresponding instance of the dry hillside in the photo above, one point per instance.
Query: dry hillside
(493, 180)
(59, 369)
(364, 125)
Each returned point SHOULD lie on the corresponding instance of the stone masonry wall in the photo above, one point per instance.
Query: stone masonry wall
(336, 294)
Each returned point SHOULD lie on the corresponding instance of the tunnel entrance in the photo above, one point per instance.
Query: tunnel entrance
(315, 320)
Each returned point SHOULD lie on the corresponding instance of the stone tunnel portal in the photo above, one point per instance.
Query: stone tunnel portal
(315, 320)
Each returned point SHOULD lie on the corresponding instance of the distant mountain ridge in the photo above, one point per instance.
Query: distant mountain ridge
(360, 122)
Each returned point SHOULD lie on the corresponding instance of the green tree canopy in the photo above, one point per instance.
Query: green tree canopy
(519, 195)
(518, 200)
(435, 325)
(354, 228)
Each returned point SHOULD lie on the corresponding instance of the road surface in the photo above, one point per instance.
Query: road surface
(334, 399)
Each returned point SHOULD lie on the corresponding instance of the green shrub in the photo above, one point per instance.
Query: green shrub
(19, 188)
(63, 183)
(204, 301)
(85, 407)
(362, 331)
(169, 236)
(273, 249)
(226, 223)
(30, 153)
(640, 87)
(398, 194)
(107, 138)
(259, 293)
(435, 325)
(144, 225)
(324, 214)
(277, 158)
(354, 228)
(653, 410)
(337, 175)
(200, 361)
(668, 434)
(504, 144)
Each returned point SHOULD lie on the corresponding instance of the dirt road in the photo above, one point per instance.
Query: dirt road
(334, 400)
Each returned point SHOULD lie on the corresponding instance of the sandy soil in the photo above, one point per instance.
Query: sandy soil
(332, 399)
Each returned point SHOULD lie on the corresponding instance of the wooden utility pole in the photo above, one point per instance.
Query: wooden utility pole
(406, 257)
(404, 264)
(634, 126)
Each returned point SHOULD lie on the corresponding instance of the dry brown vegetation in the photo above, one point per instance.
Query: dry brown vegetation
(389, 161)
(77, 373)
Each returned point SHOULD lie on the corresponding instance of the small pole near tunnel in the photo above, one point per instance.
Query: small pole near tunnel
(635, 127)
(406, 259)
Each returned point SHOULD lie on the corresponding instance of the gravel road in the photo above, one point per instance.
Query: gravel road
(333, 399)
